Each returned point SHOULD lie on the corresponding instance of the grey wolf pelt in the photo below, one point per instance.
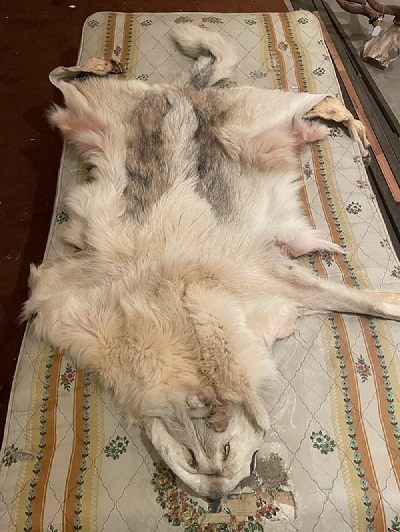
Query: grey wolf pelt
(185, 275)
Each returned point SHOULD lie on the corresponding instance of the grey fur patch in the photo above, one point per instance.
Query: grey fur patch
(146, 163)
(211, 183)
(202, 72)
(215, 169)
(152, 133)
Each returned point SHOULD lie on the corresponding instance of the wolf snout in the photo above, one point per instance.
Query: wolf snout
(214, 505)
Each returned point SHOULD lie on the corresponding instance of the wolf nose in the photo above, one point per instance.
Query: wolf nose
(214, 505)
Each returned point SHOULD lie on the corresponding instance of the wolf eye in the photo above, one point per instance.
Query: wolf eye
(253, 463)
(193, 461)
(227, 449)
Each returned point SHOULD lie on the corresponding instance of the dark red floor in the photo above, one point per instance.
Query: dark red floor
(36, 37)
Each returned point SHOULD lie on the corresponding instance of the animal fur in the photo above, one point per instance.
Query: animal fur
(184, 276)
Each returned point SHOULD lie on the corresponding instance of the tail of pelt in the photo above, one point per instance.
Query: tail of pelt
(215, 57)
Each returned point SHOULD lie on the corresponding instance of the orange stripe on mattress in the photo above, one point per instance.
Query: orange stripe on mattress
(74, 469)
(277, 52)
(110, 35)
(328, 215)
(50, 444)
(381, 395)
(360, 435)
(126, 39)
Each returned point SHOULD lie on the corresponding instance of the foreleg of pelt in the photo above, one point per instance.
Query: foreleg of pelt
(97, 209)
(99, 205)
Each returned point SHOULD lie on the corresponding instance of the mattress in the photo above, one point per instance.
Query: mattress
(331, 459)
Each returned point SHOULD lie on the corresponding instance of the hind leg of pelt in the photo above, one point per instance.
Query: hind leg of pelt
(294, 243)
(305, 131)
(315, 295)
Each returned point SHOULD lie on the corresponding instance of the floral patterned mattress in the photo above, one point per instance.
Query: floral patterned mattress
(331, 460)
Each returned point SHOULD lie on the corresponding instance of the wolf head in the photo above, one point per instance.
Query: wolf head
(211, 463)
(180, 360)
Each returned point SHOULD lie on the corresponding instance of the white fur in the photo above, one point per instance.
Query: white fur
(175, 309)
